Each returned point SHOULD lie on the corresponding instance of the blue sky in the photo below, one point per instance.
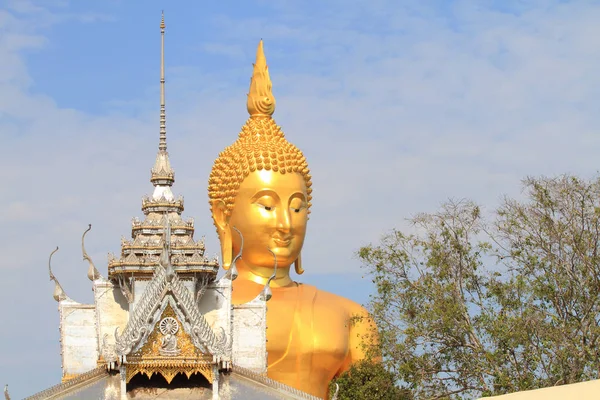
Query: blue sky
(397, 105)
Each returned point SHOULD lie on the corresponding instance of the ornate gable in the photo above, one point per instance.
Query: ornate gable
(166, 333)
(168, 351)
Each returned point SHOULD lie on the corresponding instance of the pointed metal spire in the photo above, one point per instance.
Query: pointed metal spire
(162, 146)
(162, 173)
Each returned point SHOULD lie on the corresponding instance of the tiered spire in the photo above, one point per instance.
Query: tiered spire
(163, 118)
(162, 173)
(141, 255)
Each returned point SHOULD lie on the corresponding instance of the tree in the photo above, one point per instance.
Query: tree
(469, 306)
(368, 380)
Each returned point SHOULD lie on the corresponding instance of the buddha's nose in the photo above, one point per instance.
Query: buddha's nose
(283, 220)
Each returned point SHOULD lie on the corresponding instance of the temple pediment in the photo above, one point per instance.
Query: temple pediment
(170, 350)
(166, 289)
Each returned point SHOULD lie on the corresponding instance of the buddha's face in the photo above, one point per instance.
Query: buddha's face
(270, 211)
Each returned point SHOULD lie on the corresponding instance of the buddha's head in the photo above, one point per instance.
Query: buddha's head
(261, 186)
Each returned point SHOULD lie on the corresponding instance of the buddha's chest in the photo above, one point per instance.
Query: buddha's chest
(305, 336)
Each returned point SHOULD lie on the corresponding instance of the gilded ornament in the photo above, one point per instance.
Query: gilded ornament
(153, 359)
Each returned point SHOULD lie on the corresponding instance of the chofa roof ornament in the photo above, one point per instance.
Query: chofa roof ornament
(59, 293)
(93, 272)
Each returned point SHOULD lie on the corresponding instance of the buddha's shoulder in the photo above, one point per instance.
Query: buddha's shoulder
(328, 299)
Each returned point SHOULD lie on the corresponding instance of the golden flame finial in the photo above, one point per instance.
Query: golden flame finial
(261, 101)
(162, 21)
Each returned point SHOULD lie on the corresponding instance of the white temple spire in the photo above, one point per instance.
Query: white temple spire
(162, 146)
(162, 173)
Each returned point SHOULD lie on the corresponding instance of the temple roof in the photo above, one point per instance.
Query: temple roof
(239, 384)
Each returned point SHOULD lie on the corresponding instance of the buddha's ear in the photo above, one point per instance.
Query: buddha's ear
(222, 223)
(298, 265)
(219, 215)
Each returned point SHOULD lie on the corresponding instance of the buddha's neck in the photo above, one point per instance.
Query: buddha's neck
(261, 275)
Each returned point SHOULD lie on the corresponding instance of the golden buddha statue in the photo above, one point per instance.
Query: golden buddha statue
(261, 186)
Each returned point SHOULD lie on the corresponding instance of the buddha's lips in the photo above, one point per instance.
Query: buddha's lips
(282, 242)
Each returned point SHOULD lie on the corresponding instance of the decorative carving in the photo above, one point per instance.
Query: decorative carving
(201, 285)
(152, 357)
(126, 286)
(165, 255)
(108, 352)
(171, 205)
(168, 326)
(169, 370)
(137, 328)
(141, 322)
(59, 293)
(141, 254)
(92, 273)
(6, 395)
(168, 344)
(201, 332)
(153, 223)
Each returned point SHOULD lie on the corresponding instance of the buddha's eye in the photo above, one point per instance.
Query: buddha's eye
(266, 202)
(296, 205)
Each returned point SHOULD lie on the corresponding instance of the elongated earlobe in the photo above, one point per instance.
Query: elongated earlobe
(221, 222)
(298, 265)
(226, 249)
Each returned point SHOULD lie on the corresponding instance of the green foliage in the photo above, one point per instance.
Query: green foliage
(468, 307)
(367, 380)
